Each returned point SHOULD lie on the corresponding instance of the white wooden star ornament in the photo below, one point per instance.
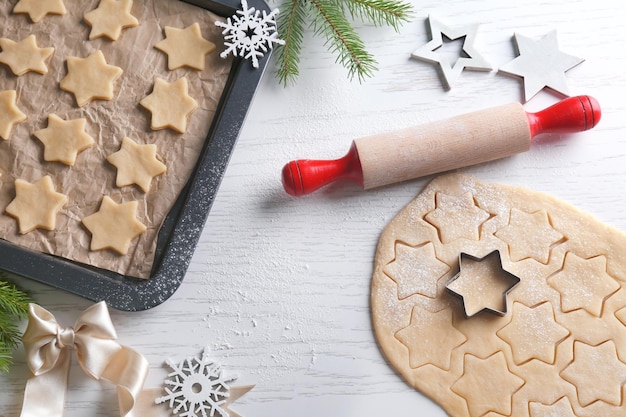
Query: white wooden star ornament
(471, 59)
(541, 64)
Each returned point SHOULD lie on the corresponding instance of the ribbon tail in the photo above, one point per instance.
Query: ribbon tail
(128, 370)
(44, 395)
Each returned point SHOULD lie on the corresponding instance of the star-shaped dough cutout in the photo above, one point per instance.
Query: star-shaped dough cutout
(170, 105)
(427, 329)
(63, 140)
(494, 393)
(185, 47)
(456, 217)
(533, 333)
(592, 364)
(114, 225)
(10, 115)
(136, 164)
(24, 56)
(90, 78)
(416, 270)
(541, 64)
(482, 283)
(110, 18)
(470, 58)
(36, 205)
(561, 408)
(524, 245)
(583, 284)
(38, 9)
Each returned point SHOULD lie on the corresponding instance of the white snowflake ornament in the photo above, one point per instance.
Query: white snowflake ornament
(196, 387)
(250, 34)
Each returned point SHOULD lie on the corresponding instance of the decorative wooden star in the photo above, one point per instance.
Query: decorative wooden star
(114, 226)
(90, 78)
(24, 56)
(541, 64)
(36, 205)
(136, 164)
(38, 9)
(185, 47)
(9, 113)
(110, 18)
(452, 70)
(63, 140)
(170, 105)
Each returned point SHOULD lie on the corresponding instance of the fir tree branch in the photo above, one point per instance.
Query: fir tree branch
(290, 29)
(13, 307)
(331, 23)
(380, 12)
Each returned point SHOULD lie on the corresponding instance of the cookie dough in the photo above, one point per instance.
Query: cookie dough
(114, 225)
(559, 349)
(170, 105)
(24, 56)
(38, 9)
(136, 164)
(64, 139)
(185, 47)
(110, 18)
(36, 205)
(90, 78)
(10, 115)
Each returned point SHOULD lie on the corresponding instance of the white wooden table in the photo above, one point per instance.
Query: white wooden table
(278, 287)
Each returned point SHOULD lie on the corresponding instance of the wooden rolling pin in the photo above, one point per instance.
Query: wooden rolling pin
(460, 141)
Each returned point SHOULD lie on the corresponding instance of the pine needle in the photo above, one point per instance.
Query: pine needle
(380, 12)
(290, 29)
(13, 307)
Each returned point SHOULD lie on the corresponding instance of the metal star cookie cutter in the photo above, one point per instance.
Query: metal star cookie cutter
(482, 284)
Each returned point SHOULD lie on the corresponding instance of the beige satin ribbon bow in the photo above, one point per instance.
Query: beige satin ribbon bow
(93, 338)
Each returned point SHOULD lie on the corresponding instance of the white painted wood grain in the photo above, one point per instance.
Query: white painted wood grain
(279, 287)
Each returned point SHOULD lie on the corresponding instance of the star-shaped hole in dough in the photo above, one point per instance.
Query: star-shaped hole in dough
(110, 18)
(529, 235)
(592, 364)
(583, 284)
(63, 140)
(541, 64)
(487, 385)
(185, 47)
(38, 9)
(426, 330)
(114, 226)
(170, 105)
(456, 217)
(136, 164)
(533, 333)
(36, 205)
(482, 283)
(416, 270)
(90, 78)
(469, 58)
(561, 408)
(10, 115)
(24, 56)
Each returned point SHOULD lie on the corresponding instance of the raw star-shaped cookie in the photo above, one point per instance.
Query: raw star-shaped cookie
(36, 205)
(136, 164)
(560, 350)
(185, 47)
(90, 78)
(9, 113)
(170, 105)
(110, 18)
(38, 9)
(114, 226)
(24, 56)
(63, 140)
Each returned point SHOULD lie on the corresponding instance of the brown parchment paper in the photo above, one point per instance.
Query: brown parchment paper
(108, 122)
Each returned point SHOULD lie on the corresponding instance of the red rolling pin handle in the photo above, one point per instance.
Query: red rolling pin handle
(574, 114)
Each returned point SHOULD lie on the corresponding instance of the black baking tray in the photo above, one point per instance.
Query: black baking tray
(183, 225)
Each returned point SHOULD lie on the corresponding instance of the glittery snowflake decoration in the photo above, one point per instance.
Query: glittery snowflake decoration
(250, 34)
(196, 387)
